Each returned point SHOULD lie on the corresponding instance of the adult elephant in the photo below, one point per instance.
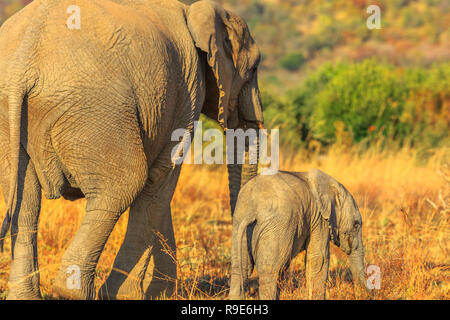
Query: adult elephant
(88, 110)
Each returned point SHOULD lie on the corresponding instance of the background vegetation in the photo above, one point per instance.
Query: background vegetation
(365, 102)
(370, 107)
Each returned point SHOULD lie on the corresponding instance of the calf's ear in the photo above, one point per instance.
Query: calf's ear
(325, 192)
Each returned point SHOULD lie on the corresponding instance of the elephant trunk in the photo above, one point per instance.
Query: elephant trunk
(251, 118)
(240, 174)
(234, 184)
(356, 259)
(250, 168)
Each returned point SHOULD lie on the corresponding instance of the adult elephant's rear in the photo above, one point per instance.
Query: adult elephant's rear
(90, 112)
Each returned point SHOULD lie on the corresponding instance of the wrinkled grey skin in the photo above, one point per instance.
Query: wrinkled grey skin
(90, 113)
(284, 214)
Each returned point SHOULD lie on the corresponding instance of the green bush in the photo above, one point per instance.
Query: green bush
(364, 97)
(291, 112)
(365, 101)
(292, 61)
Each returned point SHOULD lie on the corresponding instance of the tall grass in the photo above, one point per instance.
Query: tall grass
(405, 205)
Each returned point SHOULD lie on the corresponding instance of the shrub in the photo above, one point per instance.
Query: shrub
(364, 97)
(292, 61)
(366, 102)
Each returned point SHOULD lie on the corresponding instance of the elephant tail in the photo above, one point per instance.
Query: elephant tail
(22, 78)
(244, 256)
(16, 97)
(4, 229)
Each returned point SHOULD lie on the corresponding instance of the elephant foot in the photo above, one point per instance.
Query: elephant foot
(131, 290)
(236, 290)
(123, 294)
(65, 293)
(74, 287)
(25, 289)
(119, 287)
(160, 288)
(105, 294)
(28, 295)
(268, 287)
(235, 297)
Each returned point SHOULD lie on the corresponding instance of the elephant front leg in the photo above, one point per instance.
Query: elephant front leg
(161, 275)
(149, 234)
(317, 263)
(24, 272)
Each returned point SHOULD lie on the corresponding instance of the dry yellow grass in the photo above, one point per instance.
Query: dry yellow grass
(405, 208)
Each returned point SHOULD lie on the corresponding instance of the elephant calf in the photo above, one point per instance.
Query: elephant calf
(277, 216)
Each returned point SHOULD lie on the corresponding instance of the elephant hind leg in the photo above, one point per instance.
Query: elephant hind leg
(75, 278)
(241, 266)
(269, 268)
(149, 234)
(272, 253)
(24, 272)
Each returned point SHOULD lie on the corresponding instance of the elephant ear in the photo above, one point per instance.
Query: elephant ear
(325, 192)
(322, 192)
(206, 21)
